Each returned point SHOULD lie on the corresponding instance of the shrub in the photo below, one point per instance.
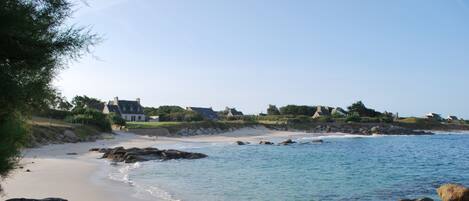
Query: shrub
(53, 113)
(116, 119)
(353, 117)
(324, 119)
(90, 117)
(13, 134)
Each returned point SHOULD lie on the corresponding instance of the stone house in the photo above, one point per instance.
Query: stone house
(322, 111)
(127, 109)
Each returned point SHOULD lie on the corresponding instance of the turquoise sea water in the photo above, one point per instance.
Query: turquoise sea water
(354, 168)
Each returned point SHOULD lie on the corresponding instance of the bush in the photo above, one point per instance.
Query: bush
(91, 117)
(324, 119)
(300, 119)
(116, 119)
(13, 134)
(353, 117)
(53, 113)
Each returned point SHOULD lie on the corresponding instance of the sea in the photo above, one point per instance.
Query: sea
(343, 168)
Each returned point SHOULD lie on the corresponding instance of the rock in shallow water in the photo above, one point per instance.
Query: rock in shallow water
(28, 199)
(453, 192)
(132, 155)
(287, 142)
(241, 143)
(266, 142)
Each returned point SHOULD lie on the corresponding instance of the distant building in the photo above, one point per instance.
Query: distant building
(232, 112)
(206, 113)
(452, 118)
(154, 118)
(128, 110)
(338, 111)
(433, 116)
(322, 111)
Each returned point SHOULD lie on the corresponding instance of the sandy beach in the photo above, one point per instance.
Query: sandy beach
(54, 173)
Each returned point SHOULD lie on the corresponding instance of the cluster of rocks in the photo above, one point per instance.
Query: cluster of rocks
(286, 142)
(43, 135)
(364, 129)
(132, 155)
(45, 199)
(203, 131)
(448, 192)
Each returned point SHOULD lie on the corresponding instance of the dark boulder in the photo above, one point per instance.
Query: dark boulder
(287, 142)
(266, 142)
(241, 143)
(28, 199)
(132, 155)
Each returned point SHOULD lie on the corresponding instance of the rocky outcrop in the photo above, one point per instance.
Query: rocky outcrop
(266, 142)
(419, 199)
(350, 128)
(287, 142)
(453, 192)
(132, 155)
(242, 143)
(28, 199)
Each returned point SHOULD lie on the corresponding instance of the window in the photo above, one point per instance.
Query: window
(139, 118)
(132, 118)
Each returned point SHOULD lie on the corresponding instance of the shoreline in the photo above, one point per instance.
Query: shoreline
(85, 177)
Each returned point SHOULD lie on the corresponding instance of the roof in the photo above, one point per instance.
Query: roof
(234, 112)
(113, 108)
(130, 107)
(338, 110)
(206, 113)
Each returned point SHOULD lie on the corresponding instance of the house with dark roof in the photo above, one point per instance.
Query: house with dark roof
(230, 112)
(206, 113)
(127, 109)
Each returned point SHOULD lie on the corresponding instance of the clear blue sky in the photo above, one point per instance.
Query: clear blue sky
(406, 56)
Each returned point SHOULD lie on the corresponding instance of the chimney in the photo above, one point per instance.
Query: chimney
(116, 100)
(138, 100)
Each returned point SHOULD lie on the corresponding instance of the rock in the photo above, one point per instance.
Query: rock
(453, 192)
(132, 155)
(28, 170)
(287, 142)
(420, 199)
(266, 142)
(94, 149)
(241, 143)
(28, 199)
(375, 129)
(72, 153)
(319, 141)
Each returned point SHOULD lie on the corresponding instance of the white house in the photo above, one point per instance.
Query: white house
(128, 110)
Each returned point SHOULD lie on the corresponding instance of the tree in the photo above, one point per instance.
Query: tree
(35, 44)
(362, 110)
(273, 110)
(84, 101)
(298, 110)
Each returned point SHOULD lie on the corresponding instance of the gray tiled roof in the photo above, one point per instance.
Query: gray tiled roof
(125, 107)
(206, 113)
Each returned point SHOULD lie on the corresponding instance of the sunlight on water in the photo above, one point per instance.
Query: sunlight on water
(376, 168)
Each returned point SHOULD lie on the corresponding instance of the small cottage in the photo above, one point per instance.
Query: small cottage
(127, 109)
(230, 112)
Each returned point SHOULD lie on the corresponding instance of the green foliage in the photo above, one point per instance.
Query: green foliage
(90, 117)
(84, 101)
(299, 119)
(116, 119)
(353, 117)
(325, 119)
(273, 110)
(362, 110)
(35, 43)
(298, 110)
(170, 113)
(13, 134)
(53, 113)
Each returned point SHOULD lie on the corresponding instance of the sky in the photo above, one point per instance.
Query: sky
(406, 56)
